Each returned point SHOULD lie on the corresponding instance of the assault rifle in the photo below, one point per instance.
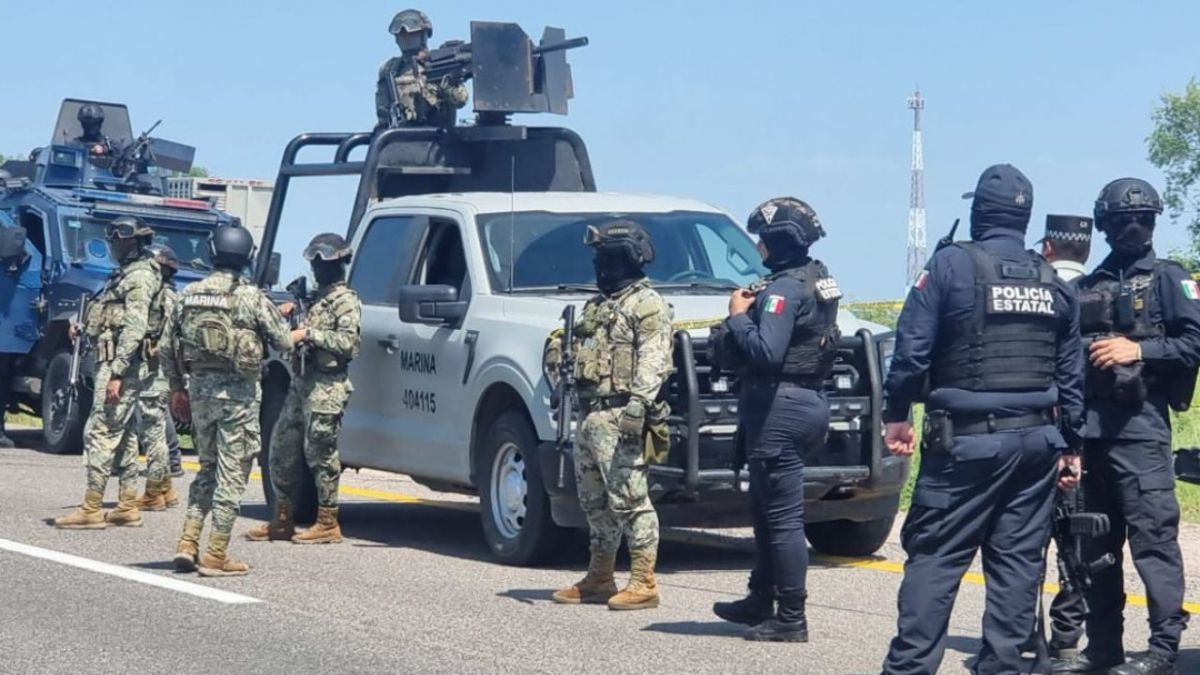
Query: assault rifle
(564, 393)
(74, 372)
(299, 316)
(948, 239)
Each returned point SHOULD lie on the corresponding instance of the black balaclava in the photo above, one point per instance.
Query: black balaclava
(1131, 234)
(783, 251)
(328, 272)
(1003, 198)
(615, 269)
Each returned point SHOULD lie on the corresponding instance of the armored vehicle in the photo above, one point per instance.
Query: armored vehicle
(53, 210)
(468, 247)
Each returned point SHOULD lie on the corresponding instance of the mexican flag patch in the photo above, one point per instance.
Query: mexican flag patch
(922, 280)
(774, 304)
(1190, 289)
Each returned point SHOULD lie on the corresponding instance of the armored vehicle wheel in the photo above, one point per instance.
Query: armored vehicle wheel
(514, 506)
(275, 389)
(62, 434)
(849, 538)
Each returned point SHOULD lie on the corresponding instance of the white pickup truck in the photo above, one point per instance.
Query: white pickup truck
(460, 291)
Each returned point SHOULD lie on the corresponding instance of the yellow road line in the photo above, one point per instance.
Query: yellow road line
(892, 566)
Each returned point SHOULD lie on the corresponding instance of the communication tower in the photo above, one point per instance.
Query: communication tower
(916, 204)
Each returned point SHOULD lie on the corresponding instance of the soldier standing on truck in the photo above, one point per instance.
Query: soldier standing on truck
(623, 357)
(218, 341)
(997, 334)
(308, 426)
(155, 428)
(119, 325)
(91, 121)
(782, 339)
(403, 95)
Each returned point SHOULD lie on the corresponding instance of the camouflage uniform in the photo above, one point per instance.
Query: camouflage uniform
(622, 350)
(152, 420)
(311, 418)
(423, 102)
(119, 326)
(218, 340)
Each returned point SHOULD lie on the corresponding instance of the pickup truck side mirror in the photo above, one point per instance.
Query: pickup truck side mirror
(271, 276)
(12, 245)
(436, 305)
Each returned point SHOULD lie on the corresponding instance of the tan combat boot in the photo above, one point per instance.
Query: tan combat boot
(280, 528)
(216, 561)
(642, 591)
(87, 517)
(169, 495)
(325, 531)
(595, 588)
(188, 549)
(152, 498)
(126, 514)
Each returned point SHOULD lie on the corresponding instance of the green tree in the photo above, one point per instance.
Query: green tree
(199, 172)
(1174, 146)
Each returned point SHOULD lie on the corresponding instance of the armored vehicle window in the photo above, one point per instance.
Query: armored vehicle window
(443, 261)
(692, 250)
(83, 242)
(383, 258)
(35, 230)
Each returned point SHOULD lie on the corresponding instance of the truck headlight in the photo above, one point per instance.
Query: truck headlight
(887, 349)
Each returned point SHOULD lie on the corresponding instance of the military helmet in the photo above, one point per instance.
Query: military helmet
(328, 247)
(164, 255)
(786, 215)
(231, 246)
(411, 21)
(126, 227)
(90, 114)
(1127, 195)
(622, 233)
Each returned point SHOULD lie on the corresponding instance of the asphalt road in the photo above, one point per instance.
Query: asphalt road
(412, 589)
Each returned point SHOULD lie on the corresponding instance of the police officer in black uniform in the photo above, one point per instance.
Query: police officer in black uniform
(996, 333)
(91, 121)
(783, 337)
(1140, 317)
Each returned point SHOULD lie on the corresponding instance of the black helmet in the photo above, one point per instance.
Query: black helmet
(126, 227)
(328, 247)
(231, 247)
(625, 234)
(90, 114)
(165, 256)
(786, 215)
(411, 21)
(1127, 195)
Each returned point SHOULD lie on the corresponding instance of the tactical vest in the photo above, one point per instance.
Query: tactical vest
(323, 315)
(605, 343)
(106, 317)
(213, 337)
(1109, 307)
(1009, 343)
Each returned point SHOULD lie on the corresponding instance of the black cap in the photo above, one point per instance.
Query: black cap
(1002, 187)
(1068, 228)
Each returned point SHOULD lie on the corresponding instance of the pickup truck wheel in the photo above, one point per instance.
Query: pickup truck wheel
(305, 508)
(62, 434)
(514, 506)
(849, 538)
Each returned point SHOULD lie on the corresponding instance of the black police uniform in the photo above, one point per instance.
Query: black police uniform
(1127, 456)
(787, 342)
(997, 373)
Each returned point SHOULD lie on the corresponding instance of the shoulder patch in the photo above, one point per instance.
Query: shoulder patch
(774, 304)
(1191, 289)
(922, 280)
(827, 289)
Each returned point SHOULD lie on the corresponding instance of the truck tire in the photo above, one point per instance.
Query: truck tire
(305, 509)
(514, 506)
(60, 434)
(848, 538)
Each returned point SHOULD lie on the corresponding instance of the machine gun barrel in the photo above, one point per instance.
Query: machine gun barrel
(299, 317)
(565, 394)
(573, 43)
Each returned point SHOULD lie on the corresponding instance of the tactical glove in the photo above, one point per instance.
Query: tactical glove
(632, 422)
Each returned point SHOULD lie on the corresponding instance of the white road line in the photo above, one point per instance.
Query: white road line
(128, 574)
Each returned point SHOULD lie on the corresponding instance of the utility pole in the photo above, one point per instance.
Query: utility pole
(916, 203)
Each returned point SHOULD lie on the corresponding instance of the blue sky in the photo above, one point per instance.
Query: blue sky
(729, 103)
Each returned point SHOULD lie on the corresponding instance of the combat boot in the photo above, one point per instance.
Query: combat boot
(642, 591)
(188, 549)
(87, 517)
(751, 610)
(325, 531)
(1089, 661)
(1147, 663)
(596, 587)
(152, 498)
(216, 561)
(280, 528)
(789, 625)
(126, 514)
(169, 495)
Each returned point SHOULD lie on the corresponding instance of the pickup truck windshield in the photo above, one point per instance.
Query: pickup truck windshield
(692, 250)
(83, 242)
